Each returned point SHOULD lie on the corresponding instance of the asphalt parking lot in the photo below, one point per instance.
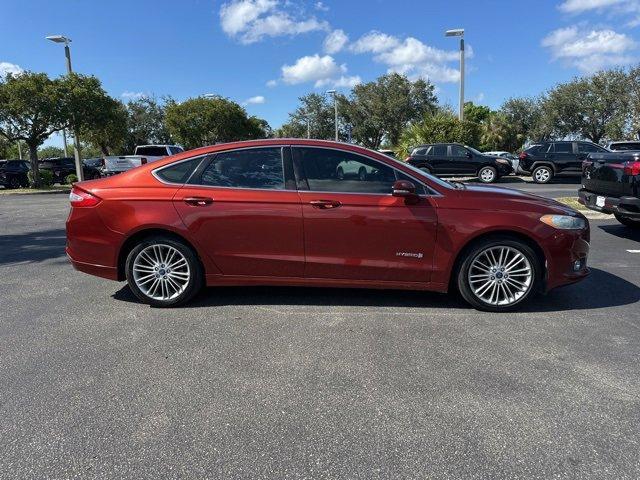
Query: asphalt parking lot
(310, 383)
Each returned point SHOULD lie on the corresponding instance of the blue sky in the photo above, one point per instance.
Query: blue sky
(267, 53)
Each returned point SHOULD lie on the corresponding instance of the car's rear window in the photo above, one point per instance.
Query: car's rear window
(152, 151)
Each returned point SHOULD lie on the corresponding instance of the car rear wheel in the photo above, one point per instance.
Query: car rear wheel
(627, 221)
(488, 174)
(542, 174)
(163, 272)
(498, 274)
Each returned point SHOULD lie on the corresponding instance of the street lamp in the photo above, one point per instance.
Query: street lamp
(76, 140)
(335, 108)
(459, 32)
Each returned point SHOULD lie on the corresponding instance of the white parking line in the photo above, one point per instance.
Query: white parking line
(633, 251)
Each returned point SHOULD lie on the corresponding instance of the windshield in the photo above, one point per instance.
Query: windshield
(436, 180)
(473, 150)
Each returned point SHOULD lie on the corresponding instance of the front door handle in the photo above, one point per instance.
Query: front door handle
(325, 204)
(198, 201)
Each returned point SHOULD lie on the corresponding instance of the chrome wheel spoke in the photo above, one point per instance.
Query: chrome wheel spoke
(500, 275)
(161, 272)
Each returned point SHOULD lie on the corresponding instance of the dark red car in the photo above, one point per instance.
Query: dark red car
(315, 213)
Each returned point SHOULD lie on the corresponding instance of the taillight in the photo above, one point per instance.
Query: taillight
(83, 199)
(632, 168)
(522, 156)
(143, 161)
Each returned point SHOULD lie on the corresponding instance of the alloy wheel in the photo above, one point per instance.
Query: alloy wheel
(487, 175)
(161, 272)
(500, 275)
(542, 175)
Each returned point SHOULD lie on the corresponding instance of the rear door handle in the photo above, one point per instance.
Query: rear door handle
(198, 201)
(325, 204)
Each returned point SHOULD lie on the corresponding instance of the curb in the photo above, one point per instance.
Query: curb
(52, 192)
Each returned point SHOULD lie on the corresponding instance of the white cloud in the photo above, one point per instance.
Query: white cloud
(630, 9)
(590, 50)
(335, 41)
(342, 82)
(579, 6)
(374, 42)
(272, 83)
(257, 100)
(410, 56)
(313, 68)
(133, 95)
(252, 20)
(12, 68)
(321, 6)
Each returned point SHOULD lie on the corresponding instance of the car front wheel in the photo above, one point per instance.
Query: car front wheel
(498, 274)
(163, 272)
(488, 175)
(542, 174)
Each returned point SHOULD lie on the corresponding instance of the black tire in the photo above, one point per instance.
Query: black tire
(340, 173)
(14, 182)
(362, 174)
(542, 174)
(196, 273)
(462, 274)
(629, 222)
(489, 173)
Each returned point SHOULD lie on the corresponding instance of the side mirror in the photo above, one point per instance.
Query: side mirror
(407, 190)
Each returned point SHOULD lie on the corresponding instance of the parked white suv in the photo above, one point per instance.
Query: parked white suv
(142, 154)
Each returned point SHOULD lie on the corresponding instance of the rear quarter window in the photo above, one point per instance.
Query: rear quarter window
(178, 172)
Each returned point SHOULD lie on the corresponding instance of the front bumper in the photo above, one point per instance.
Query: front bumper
(628, 207)
(567, 253)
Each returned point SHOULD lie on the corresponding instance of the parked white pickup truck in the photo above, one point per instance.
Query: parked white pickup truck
(143, 154)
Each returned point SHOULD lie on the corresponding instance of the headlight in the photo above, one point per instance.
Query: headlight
(564, 222)
(503, 161)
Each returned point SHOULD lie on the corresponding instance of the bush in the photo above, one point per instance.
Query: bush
(71, 179)
(46, 178)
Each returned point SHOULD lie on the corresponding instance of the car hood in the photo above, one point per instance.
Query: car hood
(502, 198)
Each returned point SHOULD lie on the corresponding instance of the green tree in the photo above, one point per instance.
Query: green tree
(476, 113)
(205, 121)
(31, 109)
(109, 132)
(50, 151)
(146, 123)
(497, 134)
(442, 127)
(314, 115)
(633, 89)
(594, 107)
(382, 109)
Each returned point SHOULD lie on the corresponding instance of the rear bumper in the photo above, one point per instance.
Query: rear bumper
(628, 207)
(103, 271)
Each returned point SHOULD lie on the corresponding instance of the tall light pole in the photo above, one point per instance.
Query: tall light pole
(76, 139)
(335, 108)
(459, 32)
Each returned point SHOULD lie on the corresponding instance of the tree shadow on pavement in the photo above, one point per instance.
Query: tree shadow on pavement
(32, 247)
(600, 290)
(621, 231)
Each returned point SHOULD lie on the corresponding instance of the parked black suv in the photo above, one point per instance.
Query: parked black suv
(611, 184)
(455, 159)
(13, 173)
(545, 160)
(61, 167)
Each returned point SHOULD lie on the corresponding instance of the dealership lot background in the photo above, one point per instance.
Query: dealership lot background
(295, 382)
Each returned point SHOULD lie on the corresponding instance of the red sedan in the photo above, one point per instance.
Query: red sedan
(315, 213)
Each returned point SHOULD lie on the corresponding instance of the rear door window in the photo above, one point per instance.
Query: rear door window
(438, 151)
(563, 147)
(257, 168)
